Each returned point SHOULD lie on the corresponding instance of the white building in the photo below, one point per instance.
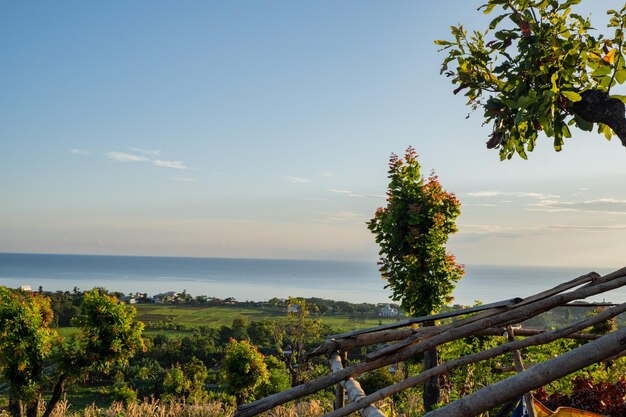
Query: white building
(387, 311)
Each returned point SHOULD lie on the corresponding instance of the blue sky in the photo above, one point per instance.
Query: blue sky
(263, 129)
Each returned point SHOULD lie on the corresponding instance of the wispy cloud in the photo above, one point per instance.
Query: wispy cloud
(151, 152)
(169, 164)
(343, 216)
(125, 157)
(588, 228)
(77, 151)
(316, 199)
(295, 180)
(602, 205)
(145, 155)
(519, 194)
(347, 193)
(482, 231)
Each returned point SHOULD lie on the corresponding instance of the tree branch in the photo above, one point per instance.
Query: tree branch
(598, 107)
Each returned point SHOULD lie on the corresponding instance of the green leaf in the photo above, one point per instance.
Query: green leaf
(488, 8)
(572, 96)
(583, 124)
(566, 132)
(602, 71)
(620, 76)
(497, 20)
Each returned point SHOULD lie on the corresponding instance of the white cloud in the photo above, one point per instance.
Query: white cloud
(296, 180)
(169, 164)
(479, 194)
(602, 205)
(144, 155)
(519, 194)
(151, 152)
(76, 151)
(125, 157)
(184, 179)
(592, 228)
(333, 190)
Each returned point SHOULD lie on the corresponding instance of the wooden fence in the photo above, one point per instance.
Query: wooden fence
(403, 341)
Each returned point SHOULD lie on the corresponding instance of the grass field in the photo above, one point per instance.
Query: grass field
(201, 315)
(224, 315)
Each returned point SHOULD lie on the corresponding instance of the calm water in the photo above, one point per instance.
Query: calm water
(262, 279)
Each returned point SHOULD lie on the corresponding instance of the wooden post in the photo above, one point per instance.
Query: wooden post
(340, 392)
(519, 367)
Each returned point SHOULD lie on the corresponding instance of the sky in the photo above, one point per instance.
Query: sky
(263, 130)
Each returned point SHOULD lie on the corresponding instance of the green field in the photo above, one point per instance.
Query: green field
(217, 316)
(201, 315)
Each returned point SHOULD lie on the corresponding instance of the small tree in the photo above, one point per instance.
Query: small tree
(543, 72)
(26, 339)
(244, 370)
(278, 379)
(412, 232)
(186, 382)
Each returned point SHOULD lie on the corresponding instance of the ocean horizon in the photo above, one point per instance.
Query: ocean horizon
(262, 279)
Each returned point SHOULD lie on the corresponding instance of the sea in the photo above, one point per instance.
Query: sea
(263, 279)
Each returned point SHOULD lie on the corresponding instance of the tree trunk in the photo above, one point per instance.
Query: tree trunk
(59, 388)
(32, 408)
(431, 386)
(14, 406)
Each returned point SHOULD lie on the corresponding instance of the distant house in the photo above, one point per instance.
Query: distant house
(26, 288)
(387, 311)
(166, 297)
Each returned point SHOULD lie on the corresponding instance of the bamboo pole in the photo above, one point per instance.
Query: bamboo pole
(519, 367)
(353, 388)
(609, 282)
(539, 339)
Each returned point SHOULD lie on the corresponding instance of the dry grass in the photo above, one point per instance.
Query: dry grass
(155, 408)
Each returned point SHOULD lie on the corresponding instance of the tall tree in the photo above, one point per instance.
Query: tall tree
(412, 232)
(300, 331)
(539, 67)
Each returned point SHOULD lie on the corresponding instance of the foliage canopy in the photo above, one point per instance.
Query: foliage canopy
(540, 67)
